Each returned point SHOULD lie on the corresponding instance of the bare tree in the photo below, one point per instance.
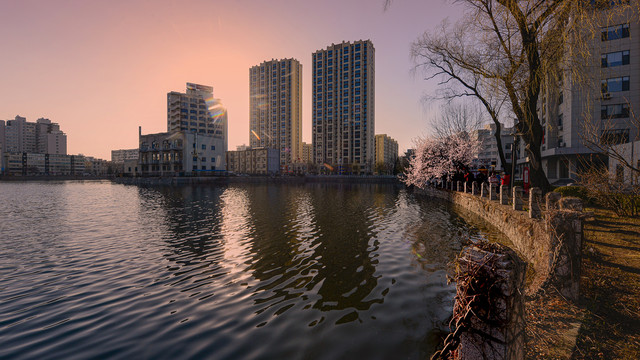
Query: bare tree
(431, 55)
(456, 117)
(507, 49)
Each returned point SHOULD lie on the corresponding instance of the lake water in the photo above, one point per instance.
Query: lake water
(315, 271)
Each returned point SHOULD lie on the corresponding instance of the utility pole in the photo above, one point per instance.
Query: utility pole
(513, 154)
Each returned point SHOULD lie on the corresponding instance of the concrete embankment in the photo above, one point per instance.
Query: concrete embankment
(550, 242)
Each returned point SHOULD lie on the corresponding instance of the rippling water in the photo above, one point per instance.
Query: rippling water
(99, 270)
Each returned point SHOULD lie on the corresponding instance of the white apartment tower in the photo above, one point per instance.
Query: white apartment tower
(197, 111)
(41, 137)
(604, 95)
(344, 106)
(275, 102)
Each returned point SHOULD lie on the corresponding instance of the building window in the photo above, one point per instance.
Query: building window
(615, 32)
(614, 137)
(615, 59)
(560, 118)
(204, 147)
(615, 84)
(615, 111)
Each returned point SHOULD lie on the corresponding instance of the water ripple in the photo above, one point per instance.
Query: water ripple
(95, 270)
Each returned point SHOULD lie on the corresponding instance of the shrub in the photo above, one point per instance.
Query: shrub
(611, 193)
(574, 191)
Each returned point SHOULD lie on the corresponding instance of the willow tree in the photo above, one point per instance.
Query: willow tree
(504, 50)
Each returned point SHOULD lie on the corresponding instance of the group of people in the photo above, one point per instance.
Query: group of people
(498, 178)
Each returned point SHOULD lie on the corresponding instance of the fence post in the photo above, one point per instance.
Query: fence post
(535, 198)
(492, 192)
(552, 199)
(565, 228)
(504, 197)
(517, 198)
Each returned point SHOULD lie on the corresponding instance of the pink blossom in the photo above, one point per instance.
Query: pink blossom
(440, 156)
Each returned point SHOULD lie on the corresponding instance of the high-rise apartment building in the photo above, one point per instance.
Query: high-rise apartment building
(307, 153)
(386, 153)
(600, 99)
(275, 118)
(49, 138)
(197, 111)
(344, 106)
(41, 137)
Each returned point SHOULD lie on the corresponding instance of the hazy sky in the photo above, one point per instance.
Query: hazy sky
(102, 68)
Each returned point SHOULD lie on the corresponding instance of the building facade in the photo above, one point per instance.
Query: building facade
(41, 137)
(120, 156)
(595, 102)
(488, 156)
(307, 153)
(35, 164)
(180, 153)
(386, 153)
(197, 111)
(275, 103)
(344, 106)
(260, 161)
(630, 153)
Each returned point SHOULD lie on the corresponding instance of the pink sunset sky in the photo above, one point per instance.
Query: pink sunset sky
(102, 68)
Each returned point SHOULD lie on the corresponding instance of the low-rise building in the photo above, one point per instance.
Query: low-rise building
(180, 153)
(121, 155)
(35, 164)
(130, 168)
(259, 161)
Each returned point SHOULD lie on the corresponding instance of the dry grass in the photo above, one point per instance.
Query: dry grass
(610, 288)
(609, 307)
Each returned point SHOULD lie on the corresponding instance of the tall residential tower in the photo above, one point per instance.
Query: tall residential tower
(275, 118)
(344, 106)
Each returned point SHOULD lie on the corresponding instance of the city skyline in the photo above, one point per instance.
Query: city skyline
(103, 69)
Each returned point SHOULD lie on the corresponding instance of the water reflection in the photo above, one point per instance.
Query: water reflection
(312, 271)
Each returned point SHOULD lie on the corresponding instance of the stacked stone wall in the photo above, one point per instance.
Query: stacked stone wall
(550, 241)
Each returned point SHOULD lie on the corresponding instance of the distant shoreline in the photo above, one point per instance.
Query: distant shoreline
(173, 181)
(53, 178)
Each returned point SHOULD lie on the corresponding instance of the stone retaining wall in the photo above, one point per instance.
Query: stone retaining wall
(551, 244)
